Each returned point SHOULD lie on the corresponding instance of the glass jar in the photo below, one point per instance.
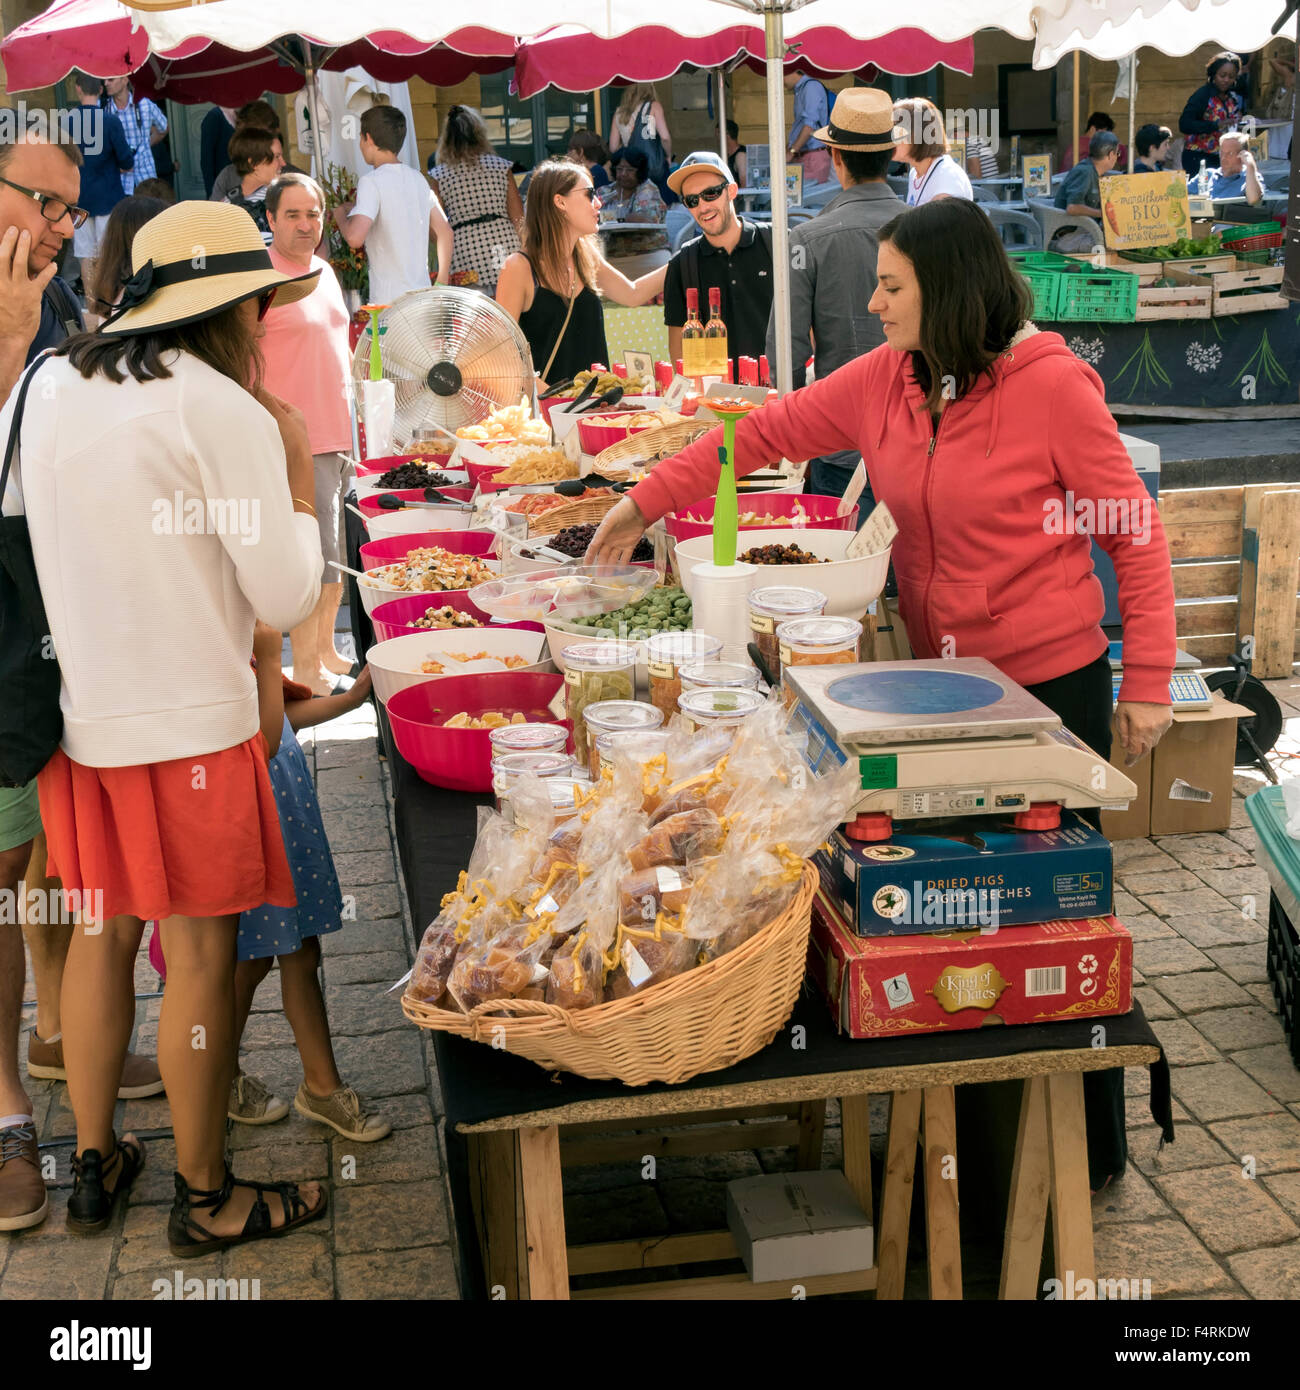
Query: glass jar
(596, 671)
(508, 768)
(666, 653)
(719, 675)
(528, 738)
(773, 605)
(712, 708)
(819, 641)
(616, 717)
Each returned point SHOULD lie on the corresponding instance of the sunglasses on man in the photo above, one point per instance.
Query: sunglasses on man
(710, 195)
(52, 209)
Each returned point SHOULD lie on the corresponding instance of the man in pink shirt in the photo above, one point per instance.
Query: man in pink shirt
(308, 364)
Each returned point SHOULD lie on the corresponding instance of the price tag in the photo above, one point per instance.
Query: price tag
(640, 364)
(557, 706)
(467, 449)
(877, 534)
(854, 490)
(676, 392)
(638, 972)
(572, 447)
(453, 463)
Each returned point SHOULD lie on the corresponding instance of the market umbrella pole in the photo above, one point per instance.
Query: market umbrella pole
(313, 107)
(1074, 148)
(722, 114)
(1132, 103)
(774, 42)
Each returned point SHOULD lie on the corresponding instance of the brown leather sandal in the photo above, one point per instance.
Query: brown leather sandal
(187, 1238)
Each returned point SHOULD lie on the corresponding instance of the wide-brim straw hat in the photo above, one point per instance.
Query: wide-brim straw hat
(192, 261)
(862, 119)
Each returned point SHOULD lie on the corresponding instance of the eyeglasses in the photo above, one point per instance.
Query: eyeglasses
(587, 192)
(264, 302)
(710, 195)
(52, 209)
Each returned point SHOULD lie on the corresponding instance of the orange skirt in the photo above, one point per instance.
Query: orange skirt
(193, 837)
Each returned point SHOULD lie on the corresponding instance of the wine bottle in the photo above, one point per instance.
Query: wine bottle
(693, 343)
(715, 338)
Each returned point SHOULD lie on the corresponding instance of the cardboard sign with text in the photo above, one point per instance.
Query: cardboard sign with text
(1144, 209)
(1036, 171)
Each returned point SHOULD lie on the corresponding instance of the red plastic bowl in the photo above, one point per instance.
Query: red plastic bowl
(603, 429)
(461, 759)
(820, 512)
(481, 474)
(370, 467)
(397, 617)
(370, 505)
(389, 548)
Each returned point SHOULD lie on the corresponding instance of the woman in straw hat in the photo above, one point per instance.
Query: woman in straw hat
(168, 501)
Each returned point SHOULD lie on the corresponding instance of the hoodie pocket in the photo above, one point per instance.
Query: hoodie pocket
(962, 625)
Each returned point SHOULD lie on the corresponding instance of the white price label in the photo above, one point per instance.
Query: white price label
(573, 446)
(676, 392)
(877, 533)
(854, 490)
(638, 972)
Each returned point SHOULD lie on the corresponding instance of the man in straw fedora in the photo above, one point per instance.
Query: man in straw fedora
(157, 803)
(833, 258)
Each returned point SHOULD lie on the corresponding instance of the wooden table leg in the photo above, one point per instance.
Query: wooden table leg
(896, 1195)
(942, 1224)
(543, 1194)
(812, 1127)
(1067, 1142)
(1022, 1249)
(855, 1131)
(494, 1194)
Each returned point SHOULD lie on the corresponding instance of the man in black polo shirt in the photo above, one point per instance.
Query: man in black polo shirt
(733, 255)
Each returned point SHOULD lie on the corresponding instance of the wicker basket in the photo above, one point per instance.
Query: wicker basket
(579, 513)
(711, 1017)
(654, 444)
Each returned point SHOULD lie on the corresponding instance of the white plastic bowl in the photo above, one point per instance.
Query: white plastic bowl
(412, 521)
(394, 664)
(849, 585)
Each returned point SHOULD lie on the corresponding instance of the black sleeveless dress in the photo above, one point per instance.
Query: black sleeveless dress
(584, 338)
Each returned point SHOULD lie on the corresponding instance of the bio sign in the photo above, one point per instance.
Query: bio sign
(1143, 209)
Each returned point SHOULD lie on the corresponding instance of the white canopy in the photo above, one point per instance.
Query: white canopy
(1114, 30)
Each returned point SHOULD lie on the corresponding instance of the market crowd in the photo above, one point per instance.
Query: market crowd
(177, 796)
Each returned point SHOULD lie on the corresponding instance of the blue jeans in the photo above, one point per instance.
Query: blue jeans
(829, 476)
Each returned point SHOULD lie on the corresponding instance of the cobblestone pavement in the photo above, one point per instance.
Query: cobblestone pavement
(1216, 1214)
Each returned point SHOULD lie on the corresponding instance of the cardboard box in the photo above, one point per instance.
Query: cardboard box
(971, 871)
(1186, 785)
(887, 986)
(798, 1225)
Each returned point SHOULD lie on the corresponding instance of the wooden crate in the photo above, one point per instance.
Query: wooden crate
(1172, 301)
(1103, 259)
(1249, 291)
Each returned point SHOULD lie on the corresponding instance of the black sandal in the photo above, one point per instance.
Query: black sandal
(181, 1228)
(90, 1208)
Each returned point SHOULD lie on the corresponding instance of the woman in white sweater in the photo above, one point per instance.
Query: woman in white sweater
(168, 500)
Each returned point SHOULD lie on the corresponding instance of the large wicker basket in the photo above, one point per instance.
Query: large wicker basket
(579, 513)
(652, 444)
(711, 1017)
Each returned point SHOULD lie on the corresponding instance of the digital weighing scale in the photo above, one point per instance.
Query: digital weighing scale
(945, 738)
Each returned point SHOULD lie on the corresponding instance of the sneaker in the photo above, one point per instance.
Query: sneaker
(23, 1202)
(252, 1104)
(344, 1112)
(140, 1075)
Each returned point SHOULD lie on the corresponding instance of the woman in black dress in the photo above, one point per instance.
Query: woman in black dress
(553, 287)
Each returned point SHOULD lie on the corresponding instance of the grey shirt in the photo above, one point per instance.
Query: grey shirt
(832, 279)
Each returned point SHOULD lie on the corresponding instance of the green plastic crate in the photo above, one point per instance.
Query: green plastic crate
(1108, 296)
(1042, 269)
(1244, 233)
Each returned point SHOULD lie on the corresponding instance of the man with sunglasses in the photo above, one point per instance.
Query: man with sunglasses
(732, 254)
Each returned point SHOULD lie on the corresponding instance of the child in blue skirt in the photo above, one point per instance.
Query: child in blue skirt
(292, 935)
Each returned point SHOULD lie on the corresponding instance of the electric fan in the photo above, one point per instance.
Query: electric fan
(453, 356)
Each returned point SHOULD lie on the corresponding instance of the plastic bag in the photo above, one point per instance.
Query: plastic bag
(587, 924)
(649, 957)
(679, 839)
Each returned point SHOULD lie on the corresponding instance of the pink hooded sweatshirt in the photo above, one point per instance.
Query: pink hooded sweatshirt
(994, 507)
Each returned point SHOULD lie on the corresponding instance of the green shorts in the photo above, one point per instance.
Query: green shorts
(20, 815)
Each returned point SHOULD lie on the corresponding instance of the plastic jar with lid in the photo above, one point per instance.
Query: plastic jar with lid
(718, 675)
(617, 717)
(712, 708)
(819, 641)
(666, 653)
(773, 605)
(508, 768)
(594, 672)
(528, 738)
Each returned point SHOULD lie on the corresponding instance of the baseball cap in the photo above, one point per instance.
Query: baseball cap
(694, 163)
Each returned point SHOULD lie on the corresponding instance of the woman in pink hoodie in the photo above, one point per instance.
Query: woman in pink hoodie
(993, 447)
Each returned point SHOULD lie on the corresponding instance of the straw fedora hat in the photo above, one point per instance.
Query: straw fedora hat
(192, 261)
(861, 119)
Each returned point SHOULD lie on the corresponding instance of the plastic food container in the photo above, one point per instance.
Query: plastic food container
(712, 708)
(819, 641)
(773, 605)
(528, 738)
(613, 718)
(507, 768)
(666, 653)
(595, 672)
(717, 675)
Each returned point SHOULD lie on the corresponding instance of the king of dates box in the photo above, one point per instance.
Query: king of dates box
(972, 871)
(891, 986)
